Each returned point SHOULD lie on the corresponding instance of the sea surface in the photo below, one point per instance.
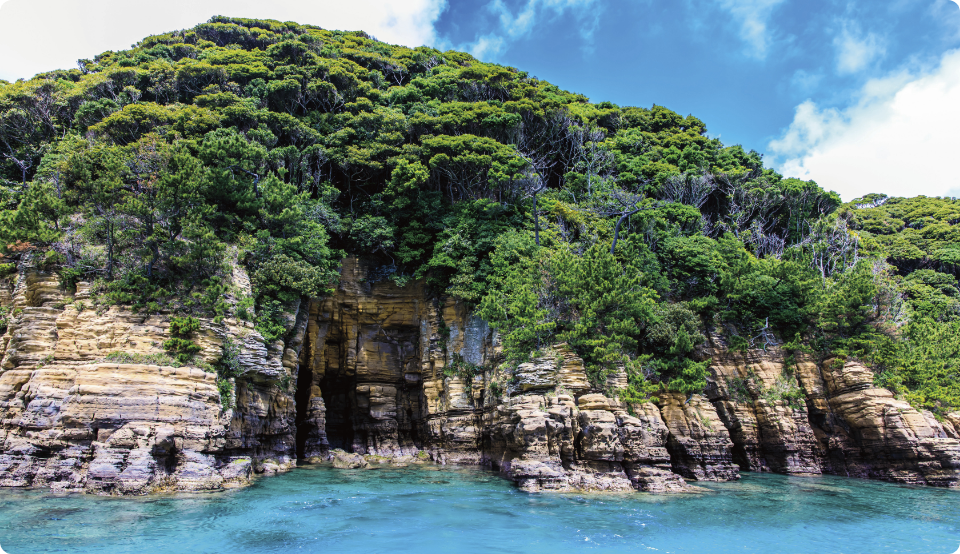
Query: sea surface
(429, 509)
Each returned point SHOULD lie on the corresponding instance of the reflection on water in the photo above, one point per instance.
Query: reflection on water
(426, 510)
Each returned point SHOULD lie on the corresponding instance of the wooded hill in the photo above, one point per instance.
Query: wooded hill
(624, 231)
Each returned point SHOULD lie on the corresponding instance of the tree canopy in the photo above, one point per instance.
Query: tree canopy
(627, 232)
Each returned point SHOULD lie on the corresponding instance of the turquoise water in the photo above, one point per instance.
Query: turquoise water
(426, 510)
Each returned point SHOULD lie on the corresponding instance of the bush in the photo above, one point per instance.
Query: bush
(461, 368)
(225, 387)
(784, 389)
(923, 367)
(268, 322)
(4, 319)
(184, 326)
(245, 308)
(739, 389)
(70, 276)
(158, 358)
(51, 259)
(180, 345)
(228, 367)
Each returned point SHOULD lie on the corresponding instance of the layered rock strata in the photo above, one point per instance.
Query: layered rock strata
(800, 416)
(71, 420)
(380, 372)
(395, 373)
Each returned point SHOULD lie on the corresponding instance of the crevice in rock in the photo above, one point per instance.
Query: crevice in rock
(302, 399)
(739, 450)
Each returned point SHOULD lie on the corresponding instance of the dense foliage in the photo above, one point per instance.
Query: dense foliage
(627, 232)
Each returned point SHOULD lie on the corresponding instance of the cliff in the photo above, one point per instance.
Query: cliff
(387, 371)
(806, 417)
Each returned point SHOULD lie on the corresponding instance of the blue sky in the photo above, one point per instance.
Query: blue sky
(860, 96)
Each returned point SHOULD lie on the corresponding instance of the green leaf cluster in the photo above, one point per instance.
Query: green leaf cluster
(159, 173)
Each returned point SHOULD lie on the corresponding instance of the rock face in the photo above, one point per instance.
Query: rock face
(378, 372)
(394, 374)
(547, 442)
(805, 417)
(699, 444)
(71, 421)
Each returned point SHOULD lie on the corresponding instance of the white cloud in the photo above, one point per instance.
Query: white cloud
(487, 46)
(41, 35)
(856, 51)
(804, 82)
(753, 16)
(514, 26)
(900, 138)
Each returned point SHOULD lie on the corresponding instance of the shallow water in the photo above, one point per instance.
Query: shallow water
(426, 510)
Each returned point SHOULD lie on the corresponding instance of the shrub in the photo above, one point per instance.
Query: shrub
(69, 276)
(157, 358)
(739, 389)
(784, 388)
(184, 326)
(459, 367)
(268, 322)
(180, 345)
(245, 308)
(225, 387)
(228, 367)
(51, 259)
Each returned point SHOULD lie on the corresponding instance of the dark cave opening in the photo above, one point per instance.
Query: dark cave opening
(302, 400)
(339, 397)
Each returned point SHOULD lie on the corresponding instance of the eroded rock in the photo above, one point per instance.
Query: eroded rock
(379, 374)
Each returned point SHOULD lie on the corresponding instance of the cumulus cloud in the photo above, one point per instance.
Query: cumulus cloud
(516, 25)
(899, 138)
(752, 16)
(40, 35)
(855, 50)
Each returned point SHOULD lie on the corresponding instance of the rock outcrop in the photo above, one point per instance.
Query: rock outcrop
(551, 442)
(70, 420)
(700, 446)
(379, 372)
(396, 374)
(807, 417)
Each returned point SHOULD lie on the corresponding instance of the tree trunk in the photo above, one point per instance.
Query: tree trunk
(536, 220)
(109, 250)
(616, 230)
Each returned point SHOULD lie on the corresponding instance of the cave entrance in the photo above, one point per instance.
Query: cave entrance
(371, 388)
(339, 397)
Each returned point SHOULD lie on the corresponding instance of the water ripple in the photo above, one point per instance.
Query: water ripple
(398, 510)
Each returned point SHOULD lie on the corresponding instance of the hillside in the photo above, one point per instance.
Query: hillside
(627, 233)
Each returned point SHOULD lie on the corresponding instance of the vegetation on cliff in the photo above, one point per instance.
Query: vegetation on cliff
(627, 232)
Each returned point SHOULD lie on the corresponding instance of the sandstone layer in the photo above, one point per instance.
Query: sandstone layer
(801, 416)
(70, 420)
(378, 372)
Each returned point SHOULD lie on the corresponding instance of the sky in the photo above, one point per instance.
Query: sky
(860, 96)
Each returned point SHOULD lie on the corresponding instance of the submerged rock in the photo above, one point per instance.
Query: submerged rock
(348, 460)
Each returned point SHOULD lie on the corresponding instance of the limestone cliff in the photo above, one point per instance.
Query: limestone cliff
(387, 371)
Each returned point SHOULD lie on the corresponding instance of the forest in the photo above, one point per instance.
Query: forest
(626, 232)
